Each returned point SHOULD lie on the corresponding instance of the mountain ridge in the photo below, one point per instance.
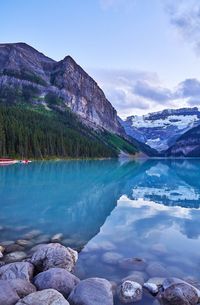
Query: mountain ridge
(161, 129)
(65, 78)
(54, 108)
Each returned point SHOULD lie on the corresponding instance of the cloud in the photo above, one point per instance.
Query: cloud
(118, 86)
(138, 92)
(185, 17)
(157, 94)
(188, 88)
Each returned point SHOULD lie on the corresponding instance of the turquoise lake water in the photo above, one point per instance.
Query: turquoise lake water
(110, 210)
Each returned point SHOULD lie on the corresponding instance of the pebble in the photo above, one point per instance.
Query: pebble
(130, 292)
(13, 248)
(152, 288)
(24, 243)
(57, 237)
(136, 276)
(134, 263)
(32, 234)
(111, 258)
(15, 257)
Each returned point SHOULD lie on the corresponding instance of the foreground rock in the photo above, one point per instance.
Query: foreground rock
(151, 287)
(45, 297)
(22, 287)
(18, 270)
(8, 296)
(58, 279)
(54, 255)
(93, 291)
(179, 294)
(15, 257)
(130, 292)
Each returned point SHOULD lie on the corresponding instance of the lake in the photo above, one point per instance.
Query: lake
(123, 217)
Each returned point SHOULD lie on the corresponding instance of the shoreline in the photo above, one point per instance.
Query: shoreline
(45, 269)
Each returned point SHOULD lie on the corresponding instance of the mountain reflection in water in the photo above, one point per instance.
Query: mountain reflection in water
(109, 209)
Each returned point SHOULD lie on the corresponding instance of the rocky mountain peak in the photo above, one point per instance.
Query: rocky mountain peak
(66, 79)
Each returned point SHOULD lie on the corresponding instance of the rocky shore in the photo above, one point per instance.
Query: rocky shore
(43, 274)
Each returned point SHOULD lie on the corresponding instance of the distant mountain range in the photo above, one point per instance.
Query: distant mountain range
(171, 132)
(54, 108)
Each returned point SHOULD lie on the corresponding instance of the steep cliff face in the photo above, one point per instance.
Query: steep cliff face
(22, 66)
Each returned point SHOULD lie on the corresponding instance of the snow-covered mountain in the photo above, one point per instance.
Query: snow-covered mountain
(161, 129)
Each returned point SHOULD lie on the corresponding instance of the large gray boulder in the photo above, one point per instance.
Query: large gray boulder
(92, 291)
(58, 279)
(44, 297)
(18, 270)
(54, 255)
(8, 296)
(22, 287)
(179, 294)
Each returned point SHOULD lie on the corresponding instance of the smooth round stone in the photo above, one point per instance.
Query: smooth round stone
(7, 243)
(58, 279)
(111, 258)
(32, 234)
(173, 280)
(156, 280)
(92, 291)
(42, 239)
(134, 263)
(13, 248)
(8, 295)
(18, 270)
(24, 243)
(179, 294)
(157, 270)
(57, 237)
(54, 255)
(15, 256)
(152, 288)
(45, 297)
(136, 276)
(130, 292)
(22, 287)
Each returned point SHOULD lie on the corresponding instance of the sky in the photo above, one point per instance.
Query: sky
(144, 54)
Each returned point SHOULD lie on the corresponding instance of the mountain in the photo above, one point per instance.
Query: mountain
(50, 108)
(160, 130)
(65, 79)
(187, 145)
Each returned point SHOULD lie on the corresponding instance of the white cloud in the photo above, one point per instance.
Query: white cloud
(185, 17)
(140, 92)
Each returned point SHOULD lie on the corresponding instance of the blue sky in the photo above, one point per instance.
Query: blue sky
(143, 53)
